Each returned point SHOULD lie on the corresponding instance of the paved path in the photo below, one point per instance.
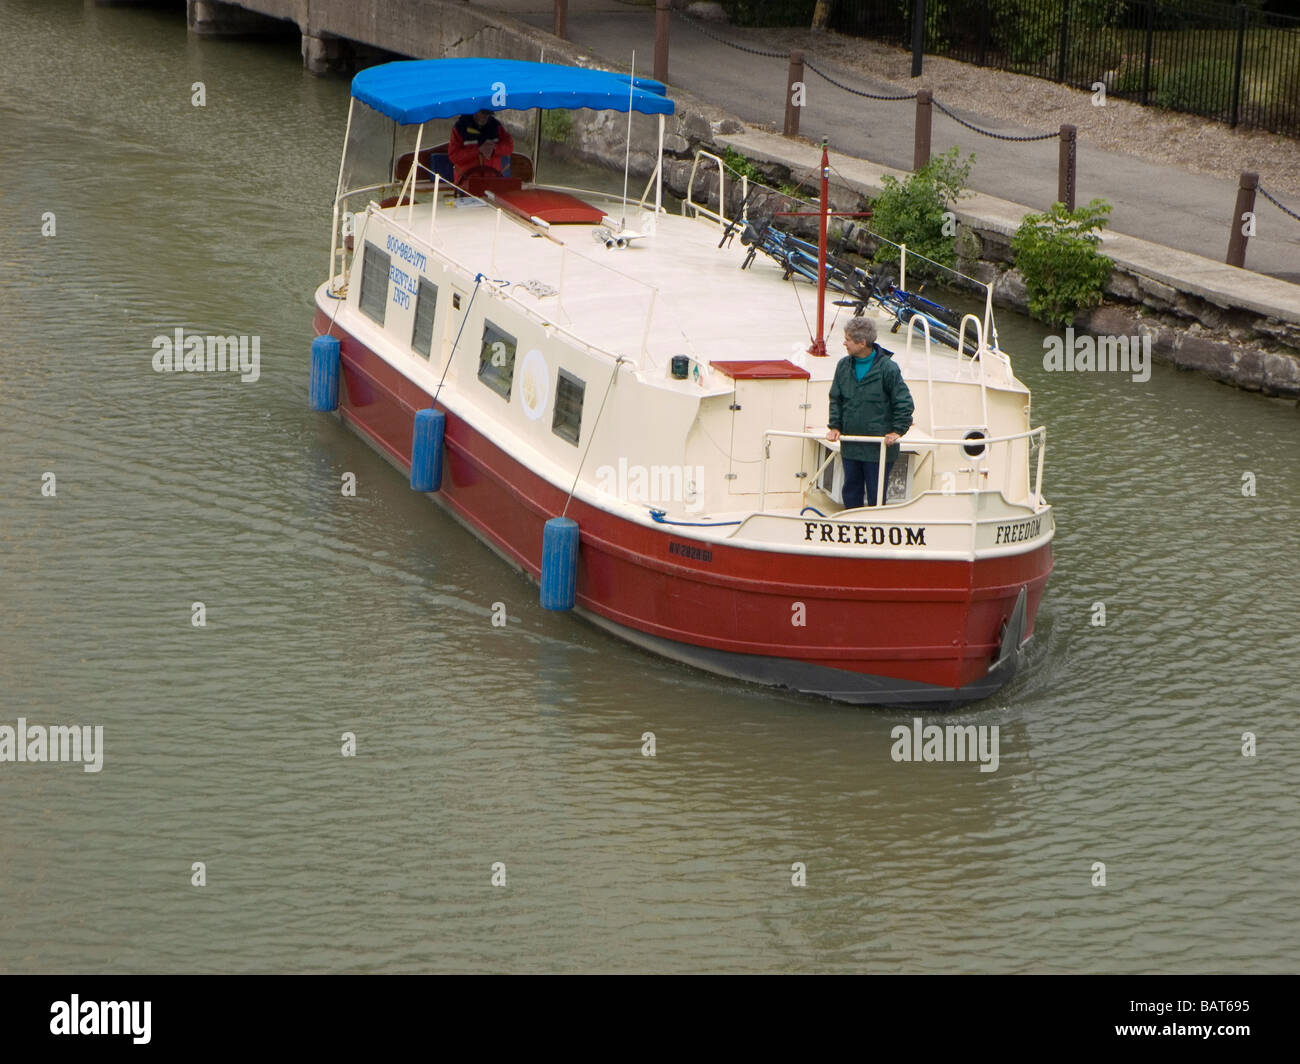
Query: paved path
(1177, 209)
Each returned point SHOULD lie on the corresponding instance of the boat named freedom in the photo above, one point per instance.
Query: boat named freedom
(622, 403)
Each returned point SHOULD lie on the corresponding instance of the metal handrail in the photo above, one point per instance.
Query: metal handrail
(720, 215)
(924, 441)
(929, 369)
(980, 351)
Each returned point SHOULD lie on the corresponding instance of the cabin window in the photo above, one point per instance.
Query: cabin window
(425, 304)
(567, 423)
(374, 283)
(496, 361)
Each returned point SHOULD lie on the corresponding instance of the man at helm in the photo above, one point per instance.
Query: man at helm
(479, 140)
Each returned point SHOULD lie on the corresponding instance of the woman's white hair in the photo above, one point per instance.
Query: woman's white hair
(863, 330)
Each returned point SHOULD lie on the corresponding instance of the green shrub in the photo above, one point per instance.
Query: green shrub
(1091, 55)
(1131, 74)
(1203, 87)
(911, 212)
(556, 126)
(1030, 34)
(770, 12)
(741, 164)
(1057, 253)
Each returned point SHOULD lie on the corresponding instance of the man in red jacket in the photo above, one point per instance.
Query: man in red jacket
(479, 140)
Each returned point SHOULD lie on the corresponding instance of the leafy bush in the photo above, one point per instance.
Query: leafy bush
(1030, 34)
(769, 12)
(911, 212)
(1128, 82)
(556, 126)
(1093, 54)
(1057, 253)
(741, 164)
(1203, 87)
(1023, 32)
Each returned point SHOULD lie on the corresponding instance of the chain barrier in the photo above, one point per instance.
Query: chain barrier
(808, 64)
(988, 133)
(731, 44)
(856, 92)
(1284, 210)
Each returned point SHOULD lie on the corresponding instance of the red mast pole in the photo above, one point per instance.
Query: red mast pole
(819, 344)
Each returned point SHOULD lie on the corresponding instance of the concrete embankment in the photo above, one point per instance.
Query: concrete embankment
(1234, 325)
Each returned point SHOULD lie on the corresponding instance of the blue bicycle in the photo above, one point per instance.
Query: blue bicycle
(799, 256)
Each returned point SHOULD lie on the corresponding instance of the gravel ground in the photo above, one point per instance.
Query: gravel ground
(1194, 144)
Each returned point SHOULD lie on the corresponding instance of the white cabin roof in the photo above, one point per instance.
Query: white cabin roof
(698, 299)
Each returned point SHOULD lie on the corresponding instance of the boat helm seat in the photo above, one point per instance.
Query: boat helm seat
(435, 160)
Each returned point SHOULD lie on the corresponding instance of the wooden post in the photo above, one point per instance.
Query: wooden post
(663, 10)
(561, 27)
(1066, 166)
(793, 77)
(1245, 205)
(921, 139)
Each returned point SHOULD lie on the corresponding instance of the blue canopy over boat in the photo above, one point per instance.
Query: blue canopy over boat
(414, 91)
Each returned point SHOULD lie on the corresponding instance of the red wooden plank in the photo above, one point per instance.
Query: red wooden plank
(558, 208)
(767, 370)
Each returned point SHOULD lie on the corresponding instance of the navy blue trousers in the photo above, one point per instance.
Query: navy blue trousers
(859, 476)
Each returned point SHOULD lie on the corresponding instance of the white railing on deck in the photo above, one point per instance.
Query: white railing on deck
(982, 354)
(720, 215)
(1040, 434)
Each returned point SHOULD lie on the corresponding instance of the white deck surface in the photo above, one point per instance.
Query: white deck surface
(700, 301)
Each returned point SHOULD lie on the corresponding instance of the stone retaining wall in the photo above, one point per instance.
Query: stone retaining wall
(1230, 344)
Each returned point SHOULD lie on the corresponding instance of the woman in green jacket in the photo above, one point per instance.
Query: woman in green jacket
(868, 398)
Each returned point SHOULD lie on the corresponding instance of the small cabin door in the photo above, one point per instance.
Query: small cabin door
(759, 405)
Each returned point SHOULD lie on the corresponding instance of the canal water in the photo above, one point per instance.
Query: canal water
(522, 745)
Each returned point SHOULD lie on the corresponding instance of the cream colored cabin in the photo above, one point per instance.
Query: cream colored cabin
(561, 349)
